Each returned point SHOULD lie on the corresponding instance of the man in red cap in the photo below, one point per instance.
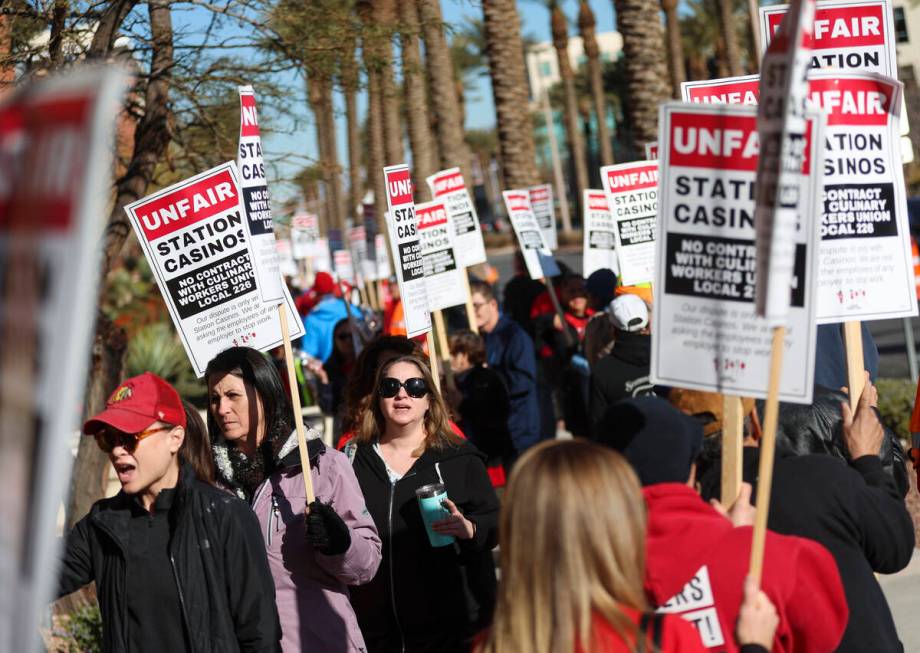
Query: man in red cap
(179, 565)
(321, 320)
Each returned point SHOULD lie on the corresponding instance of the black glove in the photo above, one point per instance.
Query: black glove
(326, 531)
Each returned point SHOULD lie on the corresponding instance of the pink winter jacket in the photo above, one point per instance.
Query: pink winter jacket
(311, 588)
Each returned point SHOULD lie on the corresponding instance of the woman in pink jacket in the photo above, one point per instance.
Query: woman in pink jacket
(315, 552)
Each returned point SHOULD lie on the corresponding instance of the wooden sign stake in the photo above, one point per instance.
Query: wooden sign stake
(295, 404)
(856, 375)
(732, 448)
(767, 451)
(433, 361)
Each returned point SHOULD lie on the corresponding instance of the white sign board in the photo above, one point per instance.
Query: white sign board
(781, 203)
(286, 263)
(321, 259)
(651, 151)
(537, 256)
(256, 202)
(56, 144)
(599, 248)
(448, 185)
(407, 250)
(632, 196)
(343, 263)
(442, 274)
(195, 239)
(541, 201)
(382, 257)
(707, 335)
(854, 35)
(304, 234)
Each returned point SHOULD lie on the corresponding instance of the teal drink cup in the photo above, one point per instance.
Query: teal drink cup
(429, 502)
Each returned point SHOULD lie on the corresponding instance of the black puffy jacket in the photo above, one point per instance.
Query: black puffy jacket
(818, 428)
(226, 591)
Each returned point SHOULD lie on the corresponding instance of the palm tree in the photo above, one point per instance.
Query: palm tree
(730, 36)
(423, 163)
(675, 47)
(505, 51)
(560, 29)
(319, 94)
(349, 82)
(385, 17)
(375, 140)
(445, 105)
(646, 73)
(586, 27)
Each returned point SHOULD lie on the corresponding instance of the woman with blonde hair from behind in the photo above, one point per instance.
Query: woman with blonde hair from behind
(572, 533)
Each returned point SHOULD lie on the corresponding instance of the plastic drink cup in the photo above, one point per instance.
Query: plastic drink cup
(429, 502)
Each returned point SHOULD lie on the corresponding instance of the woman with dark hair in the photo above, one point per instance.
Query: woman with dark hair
(315, 551)
(417, 601)
(196, 448)
(360, 387)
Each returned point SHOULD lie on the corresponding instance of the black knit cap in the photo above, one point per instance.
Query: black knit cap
(659, 441)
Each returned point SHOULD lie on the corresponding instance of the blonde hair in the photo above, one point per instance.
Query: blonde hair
(572, 535)
(438, 433)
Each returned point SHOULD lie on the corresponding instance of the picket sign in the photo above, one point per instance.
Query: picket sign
(632, 197)
(256, 201)
(865, 268)
(541, 202)
(651, 151)
(56, 144)
(407, 257)
(732, 449)
(781, 125)
(304, 235)
(599, 246)
(449, 186)
(537, 257)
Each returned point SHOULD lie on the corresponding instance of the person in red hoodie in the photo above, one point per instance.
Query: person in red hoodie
(572, 546)
(697, 559)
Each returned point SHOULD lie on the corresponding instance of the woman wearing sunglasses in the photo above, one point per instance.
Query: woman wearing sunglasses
(178, 564)
(313, 558)
(417, 601)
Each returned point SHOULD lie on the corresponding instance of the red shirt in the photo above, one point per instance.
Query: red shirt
(676, 635)
(696, 565)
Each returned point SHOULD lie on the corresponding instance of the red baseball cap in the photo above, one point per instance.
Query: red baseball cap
(137, 403)
(323, 284)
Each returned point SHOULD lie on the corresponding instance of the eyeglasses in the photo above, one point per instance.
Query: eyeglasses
(108, 440)
(415, 387)
(478, 305)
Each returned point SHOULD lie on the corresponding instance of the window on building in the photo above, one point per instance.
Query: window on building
(546, 70)
(900, 26)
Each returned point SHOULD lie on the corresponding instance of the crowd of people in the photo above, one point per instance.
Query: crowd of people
(613, 540)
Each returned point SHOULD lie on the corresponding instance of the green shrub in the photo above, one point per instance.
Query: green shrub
(83, 630)
(156, 349)
(896, 403)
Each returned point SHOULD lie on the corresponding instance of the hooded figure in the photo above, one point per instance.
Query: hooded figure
(697, 560)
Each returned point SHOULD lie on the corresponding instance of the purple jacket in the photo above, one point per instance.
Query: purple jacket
(311, 588)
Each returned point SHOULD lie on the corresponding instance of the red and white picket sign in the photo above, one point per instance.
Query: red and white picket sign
(443, 277)
(448, 186)
(407, 250)
(537, 256)
(541, 201)
(632, 195)
(599, 247)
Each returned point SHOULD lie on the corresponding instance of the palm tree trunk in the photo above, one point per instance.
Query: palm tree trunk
(350, 91)
(675, 47)
(646, 73)
(505, 51)
(560, 29)
(423, 162)
(445, 103)
(732, 50)
(7, 65)
(319, 93)
(375, 141)
(385, 15)
(586, 27)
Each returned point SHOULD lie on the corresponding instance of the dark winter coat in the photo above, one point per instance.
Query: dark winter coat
(484, 413)
(854, 510)
(418, 598)
(510, 352)
(621, 374)
(225, 588)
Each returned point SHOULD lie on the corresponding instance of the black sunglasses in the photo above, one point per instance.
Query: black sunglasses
(415, 387)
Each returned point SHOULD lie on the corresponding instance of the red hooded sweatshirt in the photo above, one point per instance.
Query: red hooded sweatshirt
(697, 561)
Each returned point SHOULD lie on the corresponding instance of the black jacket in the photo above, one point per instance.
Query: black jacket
(484, 412)
(418, 597)
(621, 374)
(856, 511)
(226, 591)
